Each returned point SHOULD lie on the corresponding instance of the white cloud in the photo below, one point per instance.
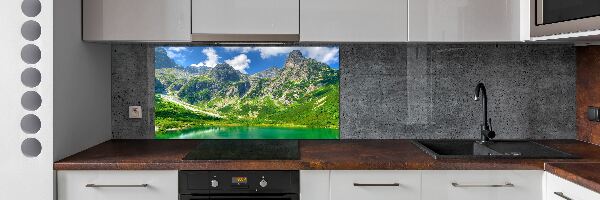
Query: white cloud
(212, 58)
(321, 54)
(266, 52)
(240, 63)
(177, 49)
(176, 53)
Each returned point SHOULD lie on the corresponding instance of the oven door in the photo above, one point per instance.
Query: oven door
(240, 197)
(552, 17)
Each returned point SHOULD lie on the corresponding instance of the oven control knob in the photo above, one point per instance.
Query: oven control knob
(263, 183)
(214, 183)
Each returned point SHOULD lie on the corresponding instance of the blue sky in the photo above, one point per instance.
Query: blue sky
(248, 60)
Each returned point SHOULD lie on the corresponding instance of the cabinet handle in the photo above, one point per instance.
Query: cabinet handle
(493, 185)
(376, 184)
(560, 194)
(115, 186)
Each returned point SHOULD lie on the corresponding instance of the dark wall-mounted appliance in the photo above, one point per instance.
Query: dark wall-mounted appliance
(234, 185)
(552, 17)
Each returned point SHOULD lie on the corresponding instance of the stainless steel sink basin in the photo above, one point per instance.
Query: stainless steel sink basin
(496, 149)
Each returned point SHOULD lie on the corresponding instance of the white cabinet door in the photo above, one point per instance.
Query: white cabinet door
(244, 19)
(482, 185)
(560, 189)
(136, 20)
(375, 185)
(314, 185)
(468, 20)
(353, 20)
(117, 185)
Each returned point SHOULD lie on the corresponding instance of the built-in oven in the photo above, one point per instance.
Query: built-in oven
(552, 17)
(237, 185)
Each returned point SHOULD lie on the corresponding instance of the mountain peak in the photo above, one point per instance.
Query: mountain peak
(295, 54)
(225, 72)
(162, 60)
(223, 66)
(295, 58)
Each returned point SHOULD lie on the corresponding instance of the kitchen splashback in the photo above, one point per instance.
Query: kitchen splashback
(276, 92)
(408, 90)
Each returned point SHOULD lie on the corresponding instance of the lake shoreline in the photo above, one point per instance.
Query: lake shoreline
(250, 132)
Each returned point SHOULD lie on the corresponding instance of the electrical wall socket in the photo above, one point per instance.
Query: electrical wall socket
(593, 114)
(135, 112)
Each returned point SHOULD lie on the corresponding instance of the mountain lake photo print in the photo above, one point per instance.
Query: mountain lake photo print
(219, 92)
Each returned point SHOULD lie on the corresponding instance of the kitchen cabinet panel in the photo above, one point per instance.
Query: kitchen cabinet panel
(314, 185)
(468, 20)
(117, 185)
(560, 189)
(482, 184)
(245, 20)
(136, 20)
(353, 21)
(375, 184)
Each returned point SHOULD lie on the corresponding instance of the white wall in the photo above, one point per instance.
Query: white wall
(75, 82)
(82, 98)
(24, 177)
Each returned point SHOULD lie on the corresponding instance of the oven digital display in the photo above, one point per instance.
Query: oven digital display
(239, 180)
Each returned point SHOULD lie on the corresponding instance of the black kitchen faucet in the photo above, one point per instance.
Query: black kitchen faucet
(486, 129)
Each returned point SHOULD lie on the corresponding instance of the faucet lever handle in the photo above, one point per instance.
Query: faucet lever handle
(490, 123)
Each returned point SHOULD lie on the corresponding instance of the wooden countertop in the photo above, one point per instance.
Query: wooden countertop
(331, 155)
(314, 154)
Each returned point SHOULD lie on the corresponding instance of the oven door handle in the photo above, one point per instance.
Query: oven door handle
(249, 196)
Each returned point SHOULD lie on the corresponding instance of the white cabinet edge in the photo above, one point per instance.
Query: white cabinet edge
(314, 184)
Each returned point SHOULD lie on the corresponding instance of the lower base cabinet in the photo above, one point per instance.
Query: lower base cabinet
(482, 185)
(117, 185)
(375, 185)
(314, 184)
(560, 189)
(341, 185)
(421, 185)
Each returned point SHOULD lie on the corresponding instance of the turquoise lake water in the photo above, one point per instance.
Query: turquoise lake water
(245, 132)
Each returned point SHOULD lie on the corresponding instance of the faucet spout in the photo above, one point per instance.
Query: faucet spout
(481, 88)
(480, 94)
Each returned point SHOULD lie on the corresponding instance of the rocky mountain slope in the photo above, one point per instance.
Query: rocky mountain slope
(303, 92)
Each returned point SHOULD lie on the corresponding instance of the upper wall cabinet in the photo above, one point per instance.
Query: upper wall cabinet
(245, 20)
(353, 20)
(468, 20)
(136, 20)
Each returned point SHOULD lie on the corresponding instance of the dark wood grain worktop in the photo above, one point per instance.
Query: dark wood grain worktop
(314, 154)
(331, 155)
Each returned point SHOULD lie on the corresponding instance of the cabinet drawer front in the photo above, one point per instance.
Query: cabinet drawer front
(354, 21)
(560, 189)
(314, 184)
(117, 185)
(375, 185)
(246, 17)
(482, 184)
(136, 20)
(465, 20)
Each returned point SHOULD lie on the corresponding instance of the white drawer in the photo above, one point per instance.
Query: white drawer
(343, 185)
(113, 185)
(567, 189)
(482, 185)
(314, 184)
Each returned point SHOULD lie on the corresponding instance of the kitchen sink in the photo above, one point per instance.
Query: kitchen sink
(440, 149)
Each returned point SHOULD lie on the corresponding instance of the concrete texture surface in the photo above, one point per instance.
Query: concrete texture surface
(132, 85)
(410, 90)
